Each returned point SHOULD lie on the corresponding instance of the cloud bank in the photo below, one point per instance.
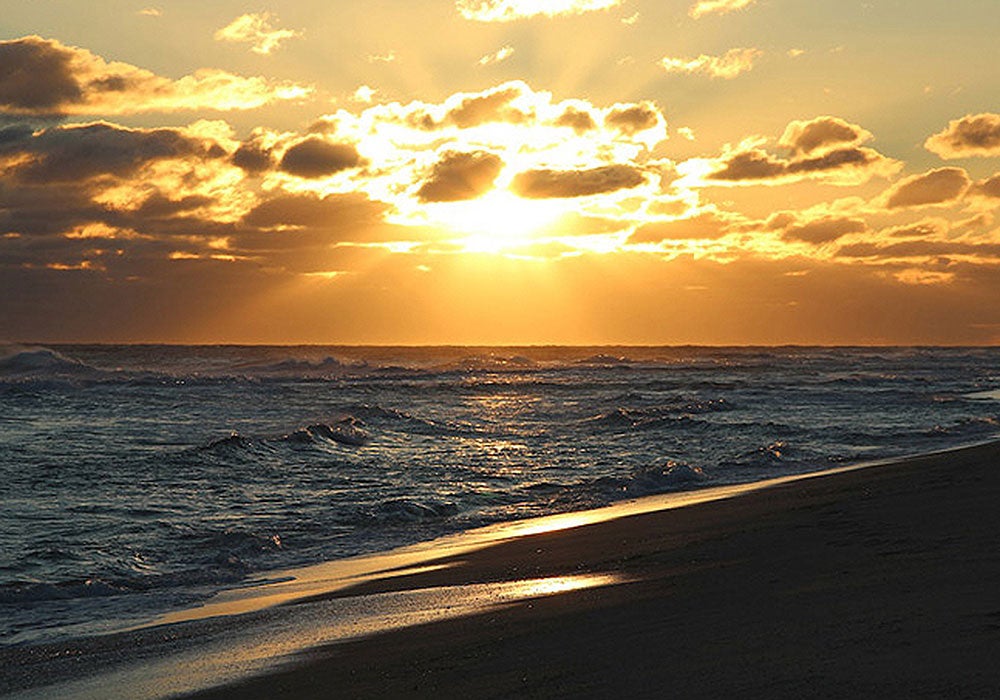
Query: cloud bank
(43, 77)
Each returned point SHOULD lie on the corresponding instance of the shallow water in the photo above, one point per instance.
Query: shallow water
(136, 480)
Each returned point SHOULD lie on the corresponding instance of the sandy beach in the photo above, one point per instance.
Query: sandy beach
(880, 581)
(875, 580)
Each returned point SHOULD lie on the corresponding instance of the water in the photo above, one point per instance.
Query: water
(136, 480)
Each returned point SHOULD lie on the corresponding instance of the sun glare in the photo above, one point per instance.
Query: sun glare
(496, 221)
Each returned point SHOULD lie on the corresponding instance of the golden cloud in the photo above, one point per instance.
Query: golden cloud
(255, 28)
(510, 10)
(720, 7)
(47, 78)
(753, 165)
(821, 135)
(824, 230)
(542, 184)
(972, 135)
(459, 176)
(941, 186)
(727, 66)
(988, 187)
(315, 157)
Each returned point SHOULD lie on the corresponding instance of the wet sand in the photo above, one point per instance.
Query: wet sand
(878, 581)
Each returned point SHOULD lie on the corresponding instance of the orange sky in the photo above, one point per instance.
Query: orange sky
(501, 172)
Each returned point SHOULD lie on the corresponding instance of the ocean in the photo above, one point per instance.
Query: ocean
(139, 480)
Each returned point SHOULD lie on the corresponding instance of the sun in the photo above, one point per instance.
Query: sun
(496, 221)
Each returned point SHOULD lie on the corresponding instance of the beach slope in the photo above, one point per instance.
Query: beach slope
(878, 581)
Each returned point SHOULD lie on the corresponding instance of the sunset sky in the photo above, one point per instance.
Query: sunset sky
(500, 171)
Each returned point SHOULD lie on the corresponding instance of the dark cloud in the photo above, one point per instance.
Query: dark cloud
(972, 135)
(45, 78)
(708, 225)
(821, 134)
(631, 119)
(252, 157)
(578, 120)
(918, 249)
(825, 230)
(919, 229)
(36, 76)
(338, 211)
(933, 187)
(315, 157)
(540, 184)
(78, 152)
(758, 165)
(990, 187)
(458, 176)
(491, 106)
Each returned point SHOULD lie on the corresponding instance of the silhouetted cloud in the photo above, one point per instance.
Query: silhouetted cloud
(344, 212)
(580, 120)
(634, 118)
(316, 157)
(972, 135)
(494, 105)
(44, 77)
(540, 184)
(459, 176)
(824, 230)
(727, 66)
(939, 186)
(822, 134)
(77, 152)
(757, 165)
(988, 187)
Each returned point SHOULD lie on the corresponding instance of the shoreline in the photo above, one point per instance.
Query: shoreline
(772, 559)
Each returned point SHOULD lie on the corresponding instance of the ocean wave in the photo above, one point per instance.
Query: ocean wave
(640, 481)
(43, 367)
(398, 511)
(25, 592)
(297, 367)
(345, 430)
(641, 417)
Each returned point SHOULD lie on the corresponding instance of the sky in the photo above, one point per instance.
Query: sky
(500, 172)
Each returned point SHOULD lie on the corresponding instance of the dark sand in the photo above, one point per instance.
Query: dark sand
(880, 581)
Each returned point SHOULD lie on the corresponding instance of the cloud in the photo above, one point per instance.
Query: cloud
(255, 154)
(495, 105)
(702, 226)
(43, 77)
(972, 135)
(824, 230)
(543, 184)
(364, 94)
(580, 120)
(151, 12)
(501, 54)
(727, 66)
(315, 157)
(988, 187)
(635, 118)
(850, 166)
(940, 186)
(255, 28)
(78, 152)
(510, 10)
(719, 7)
(344, 212)
(460, 176)
(821, 134)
